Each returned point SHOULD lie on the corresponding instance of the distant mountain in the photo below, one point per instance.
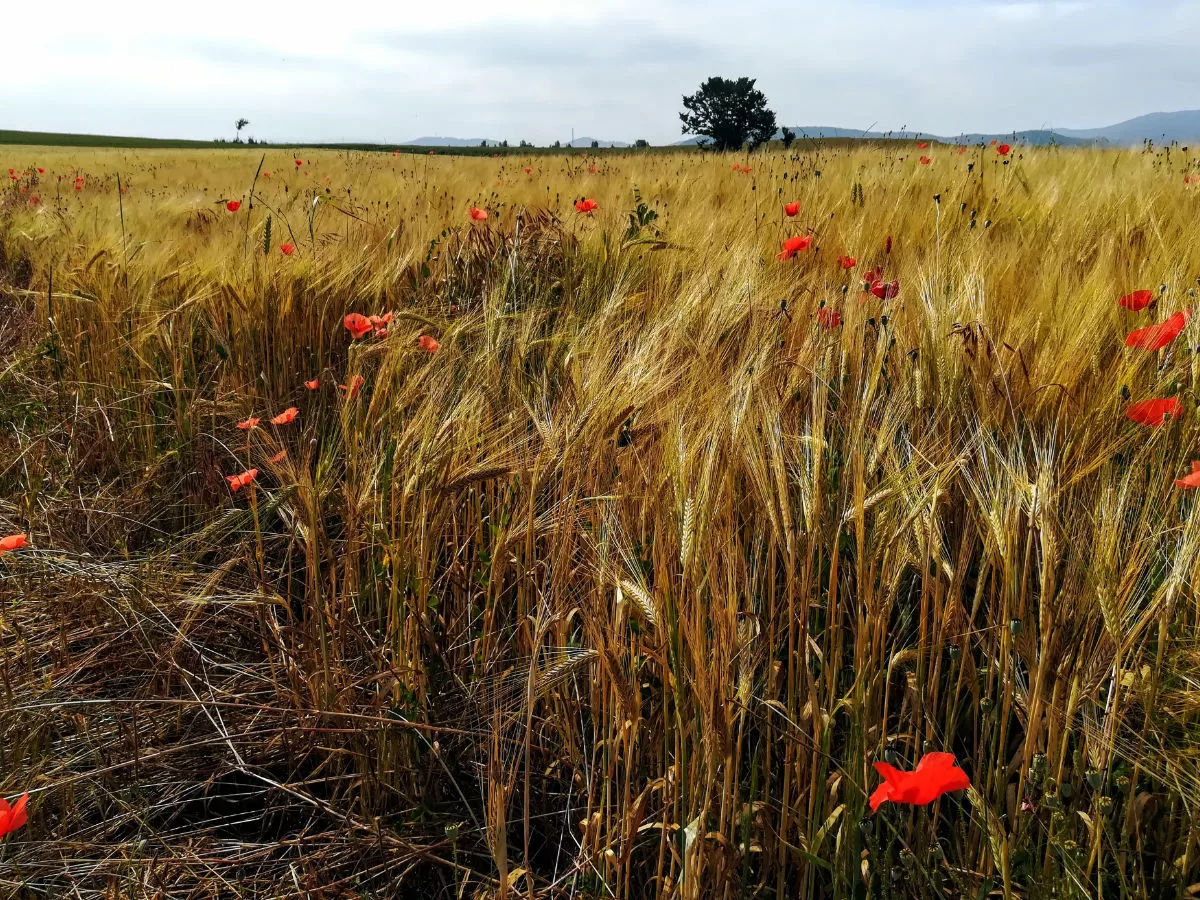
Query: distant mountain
(451, 142)
(1037, 137)
(1160, 127)
(586, 142)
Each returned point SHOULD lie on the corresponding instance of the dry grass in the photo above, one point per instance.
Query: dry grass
(621, 591)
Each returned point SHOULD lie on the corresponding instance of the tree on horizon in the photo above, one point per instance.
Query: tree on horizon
(730, 112)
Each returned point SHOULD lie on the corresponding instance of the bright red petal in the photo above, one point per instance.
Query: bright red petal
(1155, 337)
(1192, 479)
(1137, 301)
(18, 816)
(880, 795)
(1154, 412)
(12, 542)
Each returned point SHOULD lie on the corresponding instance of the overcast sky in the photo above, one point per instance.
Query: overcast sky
(612, 69)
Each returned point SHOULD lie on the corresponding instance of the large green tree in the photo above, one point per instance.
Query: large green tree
(729, 112)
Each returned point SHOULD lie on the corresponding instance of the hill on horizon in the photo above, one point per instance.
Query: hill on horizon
(1161, 127)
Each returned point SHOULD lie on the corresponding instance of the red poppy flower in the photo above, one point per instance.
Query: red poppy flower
(847, 262)
(355, 386)
(1155, 337)
(251, 422)
(586, 205)
(592, 168)
(745, 170)
(313, 385)
(237, 482)
(962, 150)
(1137, 301)
(380, 324)
(994, 142)
(286, 416)
(266, 174)
(79, 184)
(35, 200)
(791, 209)
(935, 774)
(476, 214)
(1003, 149)
(528, 169)
(922, 145)
(828, 318)
(358, 325)
(925, 160)
(885, 290)
(871, 276)
(428, 344)
(736, 167)
(278, 457)
(794, 245)
(299, 163)
(12, 542)
(1154, 412)
(1191, 480)
(233, 206)
(287, 249)
(12, 817)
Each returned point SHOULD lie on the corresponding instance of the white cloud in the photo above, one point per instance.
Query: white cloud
(373, 70)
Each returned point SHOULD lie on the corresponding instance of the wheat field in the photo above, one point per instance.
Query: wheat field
(621, 591)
